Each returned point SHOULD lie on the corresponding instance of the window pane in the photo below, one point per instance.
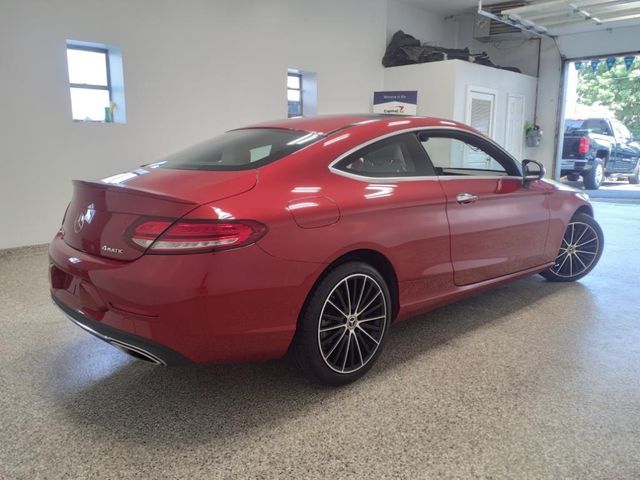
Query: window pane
(398, 156)
(88, 103)
(293, 81)
(239, 149)
(87, 67)
(454, 157)
(295, 109)
(259, 153)
(293, 95)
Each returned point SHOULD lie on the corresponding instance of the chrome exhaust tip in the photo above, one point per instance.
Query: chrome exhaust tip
(137, 352)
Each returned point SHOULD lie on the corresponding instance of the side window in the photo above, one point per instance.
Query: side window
(468, 156)
(621, 132)
(397, 156)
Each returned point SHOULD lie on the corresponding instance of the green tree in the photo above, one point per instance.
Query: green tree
(618, 89)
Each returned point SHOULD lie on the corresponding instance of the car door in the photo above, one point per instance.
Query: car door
(498, 225)
(624, 153)
(391, 201)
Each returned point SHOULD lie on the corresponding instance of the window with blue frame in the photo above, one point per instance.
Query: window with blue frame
(96, 82)
(294, 94)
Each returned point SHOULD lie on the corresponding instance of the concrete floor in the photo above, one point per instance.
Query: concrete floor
(532, 380)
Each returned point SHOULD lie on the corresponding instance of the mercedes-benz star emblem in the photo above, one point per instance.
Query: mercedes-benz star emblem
(84, 217)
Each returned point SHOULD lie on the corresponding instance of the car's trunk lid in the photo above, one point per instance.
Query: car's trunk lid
(101, 213)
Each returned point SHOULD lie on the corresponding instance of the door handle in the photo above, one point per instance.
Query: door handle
(466, 198)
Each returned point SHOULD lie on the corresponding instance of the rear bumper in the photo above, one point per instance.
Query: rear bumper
(132, 344)
(570, 165)
(237, 305)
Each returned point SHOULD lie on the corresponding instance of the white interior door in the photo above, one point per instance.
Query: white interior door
(514, 134)
(481, 107)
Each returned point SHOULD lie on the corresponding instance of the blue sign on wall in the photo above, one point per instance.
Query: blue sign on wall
(396, 102)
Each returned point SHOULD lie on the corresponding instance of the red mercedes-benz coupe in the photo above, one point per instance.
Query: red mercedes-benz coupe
(309, 235)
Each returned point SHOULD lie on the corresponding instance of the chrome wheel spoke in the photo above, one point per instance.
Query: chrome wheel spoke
(364, 284)
(335, 345)
(337, 308)
(588, 241)
(365, 332)
(584, 265)
(355, 338)
(573, 229)
(344, 306)
(346, 351)
(362, 320)
(571, 265)
(346, 285)
(566, 257)
(335, 327)
(378, 293)
(581, 235)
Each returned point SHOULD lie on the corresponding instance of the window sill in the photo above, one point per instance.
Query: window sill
(97, 121)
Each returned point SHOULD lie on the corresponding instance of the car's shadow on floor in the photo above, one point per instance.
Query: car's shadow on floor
(183, 405)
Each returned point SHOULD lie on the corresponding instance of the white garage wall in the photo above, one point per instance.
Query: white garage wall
(192, 69)
(426, 26)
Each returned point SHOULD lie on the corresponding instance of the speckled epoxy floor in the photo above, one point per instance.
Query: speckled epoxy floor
(532, 380)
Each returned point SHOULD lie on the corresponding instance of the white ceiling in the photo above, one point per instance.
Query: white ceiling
(450, 7)
(456, 7)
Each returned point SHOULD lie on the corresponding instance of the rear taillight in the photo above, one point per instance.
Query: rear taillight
(583, 145)
(194, 236)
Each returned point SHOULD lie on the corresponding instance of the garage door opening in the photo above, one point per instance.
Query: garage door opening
(600, 129)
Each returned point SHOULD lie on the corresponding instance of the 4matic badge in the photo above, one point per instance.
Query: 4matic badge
(108, 249)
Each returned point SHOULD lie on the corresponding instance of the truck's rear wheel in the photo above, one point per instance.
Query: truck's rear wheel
(634, 178)
(594, 177)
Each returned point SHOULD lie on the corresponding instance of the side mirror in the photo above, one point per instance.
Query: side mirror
(532, 171)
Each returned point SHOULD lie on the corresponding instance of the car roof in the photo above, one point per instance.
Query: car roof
(327, 124)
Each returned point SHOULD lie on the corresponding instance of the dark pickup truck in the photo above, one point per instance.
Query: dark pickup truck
(598, 148)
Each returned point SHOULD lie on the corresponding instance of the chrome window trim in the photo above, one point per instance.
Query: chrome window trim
(418, 178)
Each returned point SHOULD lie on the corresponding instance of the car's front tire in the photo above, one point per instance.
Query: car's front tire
(343, 326)
(580, 250)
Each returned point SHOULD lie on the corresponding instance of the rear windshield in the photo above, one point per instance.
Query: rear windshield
(239, 150)
(597, 125)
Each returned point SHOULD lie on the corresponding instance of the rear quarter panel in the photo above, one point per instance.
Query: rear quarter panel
(403, 220)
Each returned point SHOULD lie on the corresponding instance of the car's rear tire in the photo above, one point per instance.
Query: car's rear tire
(594, 177)
(343, 326)
(634, 178)
(580, 250)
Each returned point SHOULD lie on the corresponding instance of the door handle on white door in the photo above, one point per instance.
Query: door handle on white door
(466, 198)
